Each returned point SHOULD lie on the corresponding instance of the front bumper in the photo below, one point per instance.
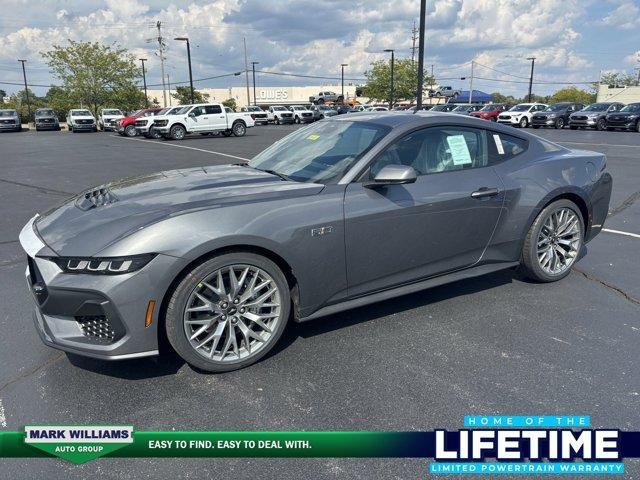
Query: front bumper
(589, 122)
(100, 316)
(142, 129)
(84, 126)
(510, 121)
(546, 122)
(8, 126)
(287, 120)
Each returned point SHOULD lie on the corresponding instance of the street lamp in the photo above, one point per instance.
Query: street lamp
(185, 39)
(533, 62)
(253, 68)
(392, 62)
(343, 65)
(26, 89)
(144, 80)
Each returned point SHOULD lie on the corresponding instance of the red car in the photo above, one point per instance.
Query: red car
(491, 111)
(127, 126)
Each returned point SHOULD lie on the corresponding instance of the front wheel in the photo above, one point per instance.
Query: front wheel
(559, 123)
(297, 119)
(553, 242)
(239, 129)
(228, 312)
(276, 121)
(130, 131)
(601, 125)
(524, 122)
(177, 132)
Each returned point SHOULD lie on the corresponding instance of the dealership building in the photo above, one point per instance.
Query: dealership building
(265, 96)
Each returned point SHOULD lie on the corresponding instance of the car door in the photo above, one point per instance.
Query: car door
(196, 119)
(442, 222)
(217, 119)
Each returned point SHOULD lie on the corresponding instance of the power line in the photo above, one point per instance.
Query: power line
(308, 76)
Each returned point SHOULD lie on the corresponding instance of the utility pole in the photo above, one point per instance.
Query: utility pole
(26, 89)
(533, 62)
(638, 80)
(253, 68)
(392, 62)
(169, 88)
(414, 37)
(246, 70)
(161, 50)
(433, 79)
(185, 39)
(471, 83)
(342, 65)
(423, 9)
(144, 79)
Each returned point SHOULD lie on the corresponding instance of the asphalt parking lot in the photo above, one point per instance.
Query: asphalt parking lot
(490, 345)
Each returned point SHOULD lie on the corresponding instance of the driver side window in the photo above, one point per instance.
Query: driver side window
(435, 150)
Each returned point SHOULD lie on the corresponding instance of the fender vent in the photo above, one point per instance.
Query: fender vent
(95, 198)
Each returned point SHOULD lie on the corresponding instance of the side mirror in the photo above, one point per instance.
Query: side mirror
(192, 114)
(393, 175)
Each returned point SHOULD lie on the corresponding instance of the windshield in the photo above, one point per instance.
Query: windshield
(80, 113)
(164, 111)
(442, 108)
(322, 152)
(111, 112)
(279, 109)
(632, 107)
(7, 113)
(44, 113)
(597, 107)
(253, 109)
(182, 110)
(557, 107)
(297, 107)
(489, 108)
(462, 108)
(324, 107)
(520, 108)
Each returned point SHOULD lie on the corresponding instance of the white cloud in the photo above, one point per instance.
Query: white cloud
(626, 16)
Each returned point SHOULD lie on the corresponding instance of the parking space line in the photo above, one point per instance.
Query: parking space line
(600, 144)
(618, 232)
(155, 142)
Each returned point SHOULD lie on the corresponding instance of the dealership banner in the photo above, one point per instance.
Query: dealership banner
(487, 445)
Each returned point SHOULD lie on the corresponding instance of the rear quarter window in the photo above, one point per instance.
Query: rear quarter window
(505, 147)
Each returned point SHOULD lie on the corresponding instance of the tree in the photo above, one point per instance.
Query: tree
(2, 94)
(405, 80)
(231, 103)
(183, 95)
(95, 75)
(59, 100)
(572, 94)
(19, 101)
(618, 79)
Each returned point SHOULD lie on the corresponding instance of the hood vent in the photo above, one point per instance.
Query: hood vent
(95, 198)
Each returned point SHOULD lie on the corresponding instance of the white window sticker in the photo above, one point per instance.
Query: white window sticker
(496, 138)
(459, 150)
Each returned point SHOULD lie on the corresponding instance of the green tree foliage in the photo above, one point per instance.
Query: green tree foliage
(572, 94)
(183, 95)
(19, 101)
(618, 79)
(2, 94)
(231, 103)
(405, 81)
(96, 75)
(59, 100)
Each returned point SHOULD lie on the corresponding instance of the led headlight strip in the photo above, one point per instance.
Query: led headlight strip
(102, 266)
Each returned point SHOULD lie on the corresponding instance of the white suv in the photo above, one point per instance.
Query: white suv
(109, 118)
(520, 115)
(301, 114)
(81, 119)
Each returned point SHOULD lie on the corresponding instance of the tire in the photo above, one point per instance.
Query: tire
(638, 126)
(494, 119)
(321, 101)
(573, 127)
(523, 122)
(601, 125)
(72, 130)
(177, 132)
(276, 120)
(153, 133)
(534, 266)
(224, 316)
(559, 125)
(239, 129)
(130, 131)
(297, 119)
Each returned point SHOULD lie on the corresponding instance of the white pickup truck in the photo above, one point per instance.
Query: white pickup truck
(109, 118)
(203, 118)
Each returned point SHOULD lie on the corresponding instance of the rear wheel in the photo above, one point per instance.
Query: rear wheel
(239, 129)
(228, 312)
(177, 132)
(553, 242)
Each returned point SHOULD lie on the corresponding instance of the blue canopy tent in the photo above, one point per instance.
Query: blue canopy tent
(477, 97)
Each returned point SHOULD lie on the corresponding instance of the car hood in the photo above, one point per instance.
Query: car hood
(87, 223)
(82, 117)
(623, 114)
(113, 117)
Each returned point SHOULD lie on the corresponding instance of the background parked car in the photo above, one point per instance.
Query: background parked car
(301, 114)
(46, 119)
(10, 120)
(490, 112)
(593, 116)
(467, 108)
(342, 109)
(520, 115)
(259, 115)
(377, 109)
(627, 118)
(326, 96)
(109, 118)
(556, 115)
(444, 91)
(322, 111)
(127, 126)
(81, 119)
(279, 114)
(443, 107)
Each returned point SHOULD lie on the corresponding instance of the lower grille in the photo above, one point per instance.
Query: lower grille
(97, 327)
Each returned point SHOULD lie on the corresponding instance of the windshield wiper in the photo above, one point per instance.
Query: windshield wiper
(277, 174)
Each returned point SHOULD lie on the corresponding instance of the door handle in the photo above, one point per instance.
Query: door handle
(221, 116)
(485, 192)
(205, 118)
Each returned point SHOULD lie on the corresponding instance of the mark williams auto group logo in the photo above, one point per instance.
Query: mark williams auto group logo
(527, 445)
(78, 444)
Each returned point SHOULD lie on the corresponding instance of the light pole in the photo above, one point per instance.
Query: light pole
(533, 62)
(144, 80)
(26, 89)
(423, 9)
(253, 68)
(342, 65)
(185, 39)
(392, 62)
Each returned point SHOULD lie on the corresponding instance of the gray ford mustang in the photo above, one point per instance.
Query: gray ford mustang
(342, 213)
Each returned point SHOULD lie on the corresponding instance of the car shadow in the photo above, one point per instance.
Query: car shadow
(168, 363)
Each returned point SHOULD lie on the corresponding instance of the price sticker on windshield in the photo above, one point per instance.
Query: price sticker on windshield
(313, 136)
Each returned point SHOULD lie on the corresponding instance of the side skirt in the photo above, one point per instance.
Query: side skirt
(409, 288)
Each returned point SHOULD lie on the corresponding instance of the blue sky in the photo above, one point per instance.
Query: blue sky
(573, 40)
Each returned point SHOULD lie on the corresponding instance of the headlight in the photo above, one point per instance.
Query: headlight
(551, 115)
(102, 266)
(161, 123)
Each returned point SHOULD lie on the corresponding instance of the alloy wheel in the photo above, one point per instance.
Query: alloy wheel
(560, 123)
(232, 313)
(559, 241)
